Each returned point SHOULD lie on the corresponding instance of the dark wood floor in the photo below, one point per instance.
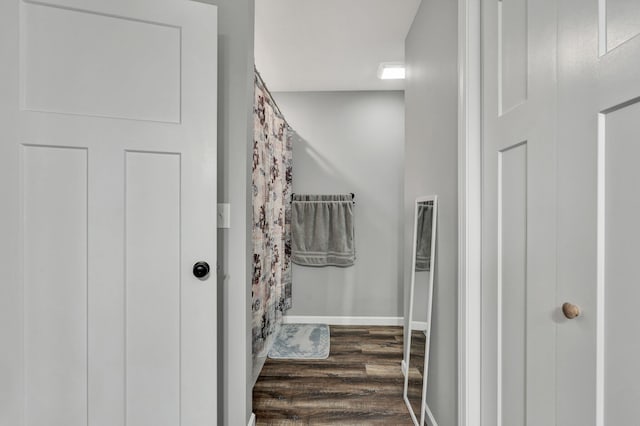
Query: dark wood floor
(359, 384)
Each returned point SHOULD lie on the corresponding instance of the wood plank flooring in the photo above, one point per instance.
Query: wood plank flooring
(359, 384)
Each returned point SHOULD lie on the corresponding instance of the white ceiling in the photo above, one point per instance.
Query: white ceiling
(319, 45)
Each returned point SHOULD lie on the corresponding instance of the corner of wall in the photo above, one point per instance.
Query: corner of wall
(431, 167)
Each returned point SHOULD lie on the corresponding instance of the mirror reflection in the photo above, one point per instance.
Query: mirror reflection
(421, 292)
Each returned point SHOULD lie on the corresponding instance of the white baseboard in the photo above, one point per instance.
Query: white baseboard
(403, 366)
(304, 319)
(252, 420)
(419, 325)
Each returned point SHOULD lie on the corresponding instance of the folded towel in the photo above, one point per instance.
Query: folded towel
(424, 228)
(322, 230)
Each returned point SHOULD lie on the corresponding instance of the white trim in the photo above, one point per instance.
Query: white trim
(602, 28)
(403, 367)
(499, 293)
(501, 110)
(469, 211)
(252, 420)
(600, 297)
(342, 320)
(419, 325)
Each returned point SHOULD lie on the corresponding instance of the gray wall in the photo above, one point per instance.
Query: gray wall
(431, 168)
(351, 142)
(235, 135)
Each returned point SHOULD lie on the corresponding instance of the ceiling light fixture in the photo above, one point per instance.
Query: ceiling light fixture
(391, 71)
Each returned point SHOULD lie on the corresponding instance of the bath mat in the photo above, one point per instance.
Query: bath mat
(301, 341)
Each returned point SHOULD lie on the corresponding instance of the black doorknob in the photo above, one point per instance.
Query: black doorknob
(201, 269)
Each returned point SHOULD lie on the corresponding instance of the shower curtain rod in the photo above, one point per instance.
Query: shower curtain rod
(273, 101)
(353, 196)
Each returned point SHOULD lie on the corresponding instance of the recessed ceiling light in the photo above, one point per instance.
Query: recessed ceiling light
(391, 71)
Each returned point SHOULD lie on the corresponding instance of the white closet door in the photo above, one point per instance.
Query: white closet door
(108, 182)
(561, 125)
(598, 227)
(519, 209)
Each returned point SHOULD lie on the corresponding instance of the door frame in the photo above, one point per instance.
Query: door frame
(469, 212)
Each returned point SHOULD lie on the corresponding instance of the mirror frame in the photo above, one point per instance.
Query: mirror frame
(409, 320)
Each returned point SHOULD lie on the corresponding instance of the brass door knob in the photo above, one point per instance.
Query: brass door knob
(570, 310)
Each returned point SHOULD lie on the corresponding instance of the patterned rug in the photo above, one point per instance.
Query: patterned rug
(301, 341)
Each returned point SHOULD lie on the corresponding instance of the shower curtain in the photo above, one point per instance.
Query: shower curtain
(271, 178)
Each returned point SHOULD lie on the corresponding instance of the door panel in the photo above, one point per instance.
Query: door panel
(83, 53)
(55, 284)
(519, 48)
(107, 170)
(621, 372)
(621, 20)
(152, 325)
(512, 284)
(512, 54)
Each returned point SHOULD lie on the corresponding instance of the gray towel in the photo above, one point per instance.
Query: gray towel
(322, 230)
(424, 227)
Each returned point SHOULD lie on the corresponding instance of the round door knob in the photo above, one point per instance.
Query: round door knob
(201, 269)
(570, 310)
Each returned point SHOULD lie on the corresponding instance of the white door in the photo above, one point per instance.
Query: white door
(107, 179)
(561, 123)
(598, 210)
(518, 294)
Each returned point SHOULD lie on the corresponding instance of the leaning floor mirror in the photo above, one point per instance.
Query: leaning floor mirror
(416, 357)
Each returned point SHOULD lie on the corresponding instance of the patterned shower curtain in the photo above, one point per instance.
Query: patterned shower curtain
(272, 178)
